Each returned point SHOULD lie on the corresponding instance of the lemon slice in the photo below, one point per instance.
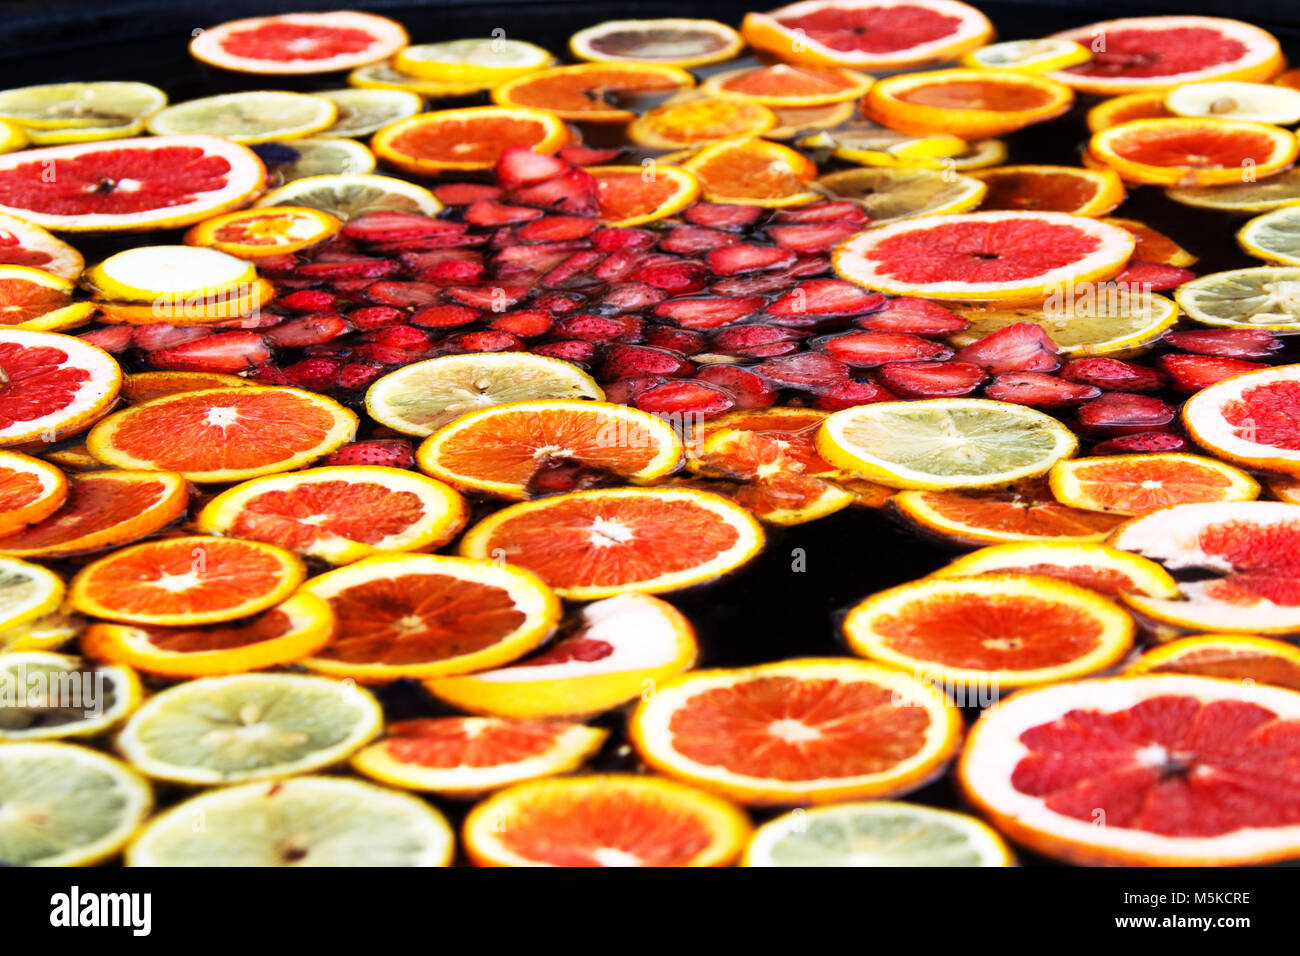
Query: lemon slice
(70, 105)
(12, 136)
(319, 156)
(889, 195)
(980, 154)
(879, 833)
(44, 633)
(1264, 297)
(1274, 236)
(218, 730)
(487, 60)
(309, 821)
(382, 76)
(350, 195)
(1230, 99)
(877, 146)
(253, 116)
(84, 134)
(1036, 56)
(362, 112)
(27, 592)
(1102, 323)
(65, 805)
(1269, 193)
(146, 273)
(944, 443)
(55, 695)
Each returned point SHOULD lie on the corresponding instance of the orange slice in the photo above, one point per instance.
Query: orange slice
(178, 310)
(1250, 419)
(783, 84)
(424, 615)
(812, 730)
(1122, 109)
(505, 450)
(269, 231)
(675, 41)
(224, 434)
(27, 244)
(991, 632)
(591, 92)
(299, 42)
(1182, 151)
(611, 652)
(1238, 657)
(39, 301)
(1098, 567)
(793, 120)
(1080, 192)
(30, 491)
(283, 634)
(51, 385)
(964, 102)
(605, 820)
(594, 544)
(467, 756)
(186, 581)
(633, 195)
(973, 520)
(698, 122)
(144, 386)
(794, 428)
(1153, 245)
(470, 138)
(1137, 484)
(754, 172)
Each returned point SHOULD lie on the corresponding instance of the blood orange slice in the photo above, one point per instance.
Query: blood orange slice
(52, 385)
(466, 756)
(973, 520)
(27, 244)
(1202, 151)
(469, 138)
(1239, 657)
(1096, 566)
(967, 103)
(1162, 770)
(1137, 484)
(339, 514)
(594, 544)
(991, 632)
(791, 86)
(1080, 192)
(605, 820)
(699, 121)
(814, 730)
(224, 434)
(592, 92)
(1250, 419)
(299, 42)
(30, 491)
(629, 196)
(159, 182)
(753, 172)
(420, 615)
(612, 652)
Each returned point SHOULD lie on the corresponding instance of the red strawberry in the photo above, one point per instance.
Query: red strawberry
(1125, 412)
(527, 323)
(445, 316)
(932, 379)
(557, 229)
(759, 284)
(807, 266)
(308, 300)
(573, 193)
(808, 369)
(630, 296)
(825, 297)
(687, 240)
(484, 341)
(1039, 390)
(389, 452)
(748, 339)
(314, 374)
(350, 289)
(462, 194)
(400, 337)
(708, 313)
(596, 328)
(110, 338)
(580, 155)
(375, 317)
(1023, 347)
(497, 298)
(915, 316)
(356, 267)
(519, 166)
(625, 390)
(748, 390)
(575, 270)
(1113, 375)
(570, 350)
(307, 330)
(832, 398)
(678, 340)
(866, 349)
(1231, 343)
(678, 277)
(1152, 277)
(267, 374)
(541, 257)
(842, 211)
(383, 354)
(403, 295)
(354, 375)
(771, 349)
(612, 239)
(1191, 373)
(389, 225)
(489, 212)
(254, 322)
(720, 216)
(813, 236)
(160, 335)
(745, 257)
(685, 398)
(278, 266)
(453, 272)
(1142, 442)
(621, 263)
(223, 352)
(558, 303)
(626, 361)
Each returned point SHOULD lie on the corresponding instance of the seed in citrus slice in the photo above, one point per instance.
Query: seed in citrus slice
(240, 301)
(1264, 297)
(1202, 151)
(594, 544)
(470, 138)
(299, 42)
(1274, 236)
(27, 244)
(753, 172)
(1098, 567)
(1231, 99)
(889, 195)
(1036, 56)
(673, 41)
(322, 156)
(609, 653)
(250, 116)
(974, 520)
(1144, 54)
(1138, 484)
(146, 273)
(271, 231)
(349, 195)
(1250, 419)
(1282, 189)
(1165, 761)
(52, 385)
(30, 491)
(69, 805)
(488, 61)
(970, 103)
(55, 695)
(284, 634)
(224, 434)
(1122, 109)
(382, 76)
(1080, 192)
(806, 730)
(699, 121)
(28, 592)
(868, 34)
(339, 514)
(784, 84)
(38, 301)
(467, 756)
(1096, 319)
(591, 92)
(876, 833)
(1153, 245)
(629, 196)
(362, 112)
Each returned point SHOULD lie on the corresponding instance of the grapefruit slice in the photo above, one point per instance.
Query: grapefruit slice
(102, 509)
(27, 244)
(421, 615)
(813, 730)
(28, 592)
(1162, 770)
(1144, 54)
(224, 434)
(30, 491)
(868, 34)
(698, 122)
(284, 634)
(591, 92)
(158, 182)
(753, 172)
(673, 41)
(1080, 192)
(974, 520)
(60, 696)
(299, 42)
(1239, 657)
(610, 653)
(1122, 109)
(783, 84)
(991, 632)
(51, 385)
(970, 103)
(339, 514)
(1098, 567)
(467, 756)
(1138, 484)
(595, 544)
(888, 194)
(1250, 419)
(144, 386)
(470, 138)
(272, 231)
(1187, 152)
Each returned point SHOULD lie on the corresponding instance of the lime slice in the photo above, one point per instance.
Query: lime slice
(308, 821)
(1265, 297)
(1229, 99)
(145, 273)
(65, 805)
(255, 116)
(1036, 56)
(362, 111)
(944, 442)
(27, 592)
(488, 60)
(880, 833)
(55, 695)
(1272, 192)
(889, 195)
(350, 195)
(319, 156)
(247, 727)
(1101, 324)
(1274, 236)
(69, 105)
(382, 76)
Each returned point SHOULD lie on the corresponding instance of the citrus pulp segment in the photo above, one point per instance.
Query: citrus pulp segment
(1099, 567)
(1273, 237)
(699, 121)
(1138, 484)
(251, 116)
(1205, 151)
(52, 386)
(148, 273)
(72, 106)
(38, 301)
(753, 172)
(626, 196)
(1121, 109)
(1080, 192)
(323, 156)
(1263, 297)
(1263, 195)
(362, 111)
(293, 43)
(783, 84)
(889, 194)
(488, 61)
(1257, 102)
(56, 695)
(24, 243)
(28, 592)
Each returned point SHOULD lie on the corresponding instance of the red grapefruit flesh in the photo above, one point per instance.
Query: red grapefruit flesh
(26, 244)
(52, 385)
(299, 42)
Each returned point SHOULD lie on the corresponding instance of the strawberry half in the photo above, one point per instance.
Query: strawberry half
(519, 166)
(1191, 373)
(832, 398)
(745, 257)
(685, 398)
(806, 370)
(627, 361)
(390, 452)
(573, 193)
(688, 240)
(1152, 277)
(1230, 343)
(748, 390)
(932, 379)
(722, 216)
(866, 349)
(1022, 347)
(1039, 390)
(914, 316)
(825, 297)
(224, 352)
(813, 236)
(1141, 443)
(1124, 412)
(839, 211)
(1113, 375)
(389, 225)
(709, 313)
(462, 194)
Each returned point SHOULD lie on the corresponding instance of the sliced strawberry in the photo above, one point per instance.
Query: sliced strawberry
(840, 211)
(866, 349)
(413, 262)
(932, 379)
(745, 257)
(497, 298)
(462, 240)
(806, 370)
(580, 155)
(676, 277)
(914, 316)
(678, 340)
(223, 352)
(1125, 412)
(825, 298)
(570, 350)
(685, 398)
(351, 289)
(1191, 373)
(773, 349)
(400, 337)
(453, 272)
(625, 390)
(541, 257)
(314, 374)
(484, 340)
(358, 267)
(527, 323)
(612, 239)
(1039, 390)
(489, 212)
(1113, 375)
(626, 361)
(558, 229)
(389, 452)
(688, 240)
(621, 264)
(721, 216)
(813, 236)
(1022, 347)
(375, 317)
(389, 225)
(597, 328)
(575, 270)
(559, 303)
(267, 374)
(354, 375)
(808, 266)
(402, 295)
(307, 330)
(462, 194)
(709, 313)
(630, 297)
(1141, 443)
(278, 266)
(253, 323)
(308, 300)
(519, 166)
(110, 338)
(446, 316)
(747, 389)
(832, 398)
(161, 335)
(749, 340)
(1230, 343)
(573, 193)
(759, 284)
(1152, 277)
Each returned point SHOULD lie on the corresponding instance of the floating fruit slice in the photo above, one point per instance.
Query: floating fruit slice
(614, 651)
(1257, 102)
(878, 833)
(382, 76)
(791, 121)
(591, 92)
(321, 156)
(240, 301)
(30, 491)
(273, 231)
(672, 41)
(151, 183)
(870, 34)
(506, 450)
(27, 244)
(794, 428)
(1153, 245)
(38, 301)
(147, 273)
(251, 116)
(1094, 320)
(351, 195)
(784, 84)
(1036, 56)
(979, 155)
(299, 42)
(628, 196)
(1137, 484)
(1250, 419)
(1265, 297)
(1204, 151)
(102, 509)
(71, 106)
(469, 138)
(466, 756)
(1143, 54)
(284, 634)
(878, 146)
(605, 820)
(487, 61)
(1095, 566)
(970, 103)
(698, 122)
(69, 806)
(1139, 770)
(1239, 657)
(594, 544)
(1282, 189)
(339, 514)
(55, 695)
(362, 112)
(1274, 236)
(52, 385)
(224, 434)
(79, 134)
(753, 172)
(28, 592)
(12, 136)
(973, 520)
(799, 731)
(1080, 192)
(888, 195)
(1122, 109)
